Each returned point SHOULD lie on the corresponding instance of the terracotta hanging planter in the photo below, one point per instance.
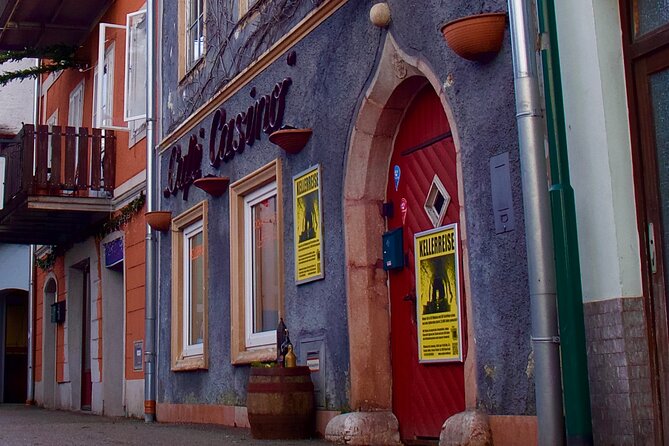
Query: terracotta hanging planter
(477, 37)
(214, 186)
(291, 140)
(159, 220)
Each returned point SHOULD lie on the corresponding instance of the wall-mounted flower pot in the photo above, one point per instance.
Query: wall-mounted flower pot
(159, 220)
(477, 37)
(291, 140)
(214, 186)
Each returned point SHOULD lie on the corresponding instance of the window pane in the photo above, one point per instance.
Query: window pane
(659, 89)
(265, 266)
(196, 289)
(194, 32)
(136, 76)
(106, 105)
(650, 15)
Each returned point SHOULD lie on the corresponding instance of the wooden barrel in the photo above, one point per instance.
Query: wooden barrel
(280, 403)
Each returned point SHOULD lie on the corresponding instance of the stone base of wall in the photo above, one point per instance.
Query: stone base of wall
(235, 416)
(619, 371)
(512, 430)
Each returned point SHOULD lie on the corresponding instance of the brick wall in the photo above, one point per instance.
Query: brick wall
(619, 372)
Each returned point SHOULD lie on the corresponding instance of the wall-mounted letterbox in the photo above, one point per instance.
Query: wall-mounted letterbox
(393, 251)
(58, 312)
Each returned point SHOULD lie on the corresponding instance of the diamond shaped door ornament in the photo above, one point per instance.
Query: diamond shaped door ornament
(437, 202)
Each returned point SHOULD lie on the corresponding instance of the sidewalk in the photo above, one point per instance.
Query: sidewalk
(26, 425)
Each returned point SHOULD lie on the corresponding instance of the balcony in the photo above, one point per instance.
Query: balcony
(43, 23)
(58, 184)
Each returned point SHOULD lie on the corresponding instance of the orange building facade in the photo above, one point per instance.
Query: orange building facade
(90, 273)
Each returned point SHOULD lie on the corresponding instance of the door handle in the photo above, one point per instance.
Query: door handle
(411, 297)
(651, 248)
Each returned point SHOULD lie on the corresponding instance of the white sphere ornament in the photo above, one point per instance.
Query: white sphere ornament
(380, 15)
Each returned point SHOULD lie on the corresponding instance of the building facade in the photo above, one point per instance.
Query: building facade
(406, 138)
(14, 259)
(337, 166)
(74, 186)
(614, 65)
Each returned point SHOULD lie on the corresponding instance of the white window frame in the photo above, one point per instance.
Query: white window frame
(187, 357)
(131, 125)
(191, 60)
(129, 41)
(51, 122)
(76, 104)
(264, 338)
(75, 116)
(188, 233)
(240, 352)
(436, 217)
(102, 58)
(99, 99)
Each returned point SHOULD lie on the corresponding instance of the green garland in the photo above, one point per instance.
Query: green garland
(61, 57)
(115, 223)
(47, 261)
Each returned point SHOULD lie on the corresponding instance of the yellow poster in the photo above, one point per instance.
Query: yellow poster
(438, 295)
(308, 225)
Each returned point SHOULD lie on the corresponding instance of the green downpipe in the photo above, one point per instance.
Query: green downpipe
(576, 391)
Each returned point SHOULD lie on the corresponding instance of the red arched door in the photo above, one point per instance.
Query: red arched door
(424, 394)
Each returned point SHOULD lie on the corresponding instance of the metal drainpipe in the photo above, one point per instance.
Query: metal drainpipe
(568, 270)
(30, 394)
(30, 397)
(538, 230)
(150, 304)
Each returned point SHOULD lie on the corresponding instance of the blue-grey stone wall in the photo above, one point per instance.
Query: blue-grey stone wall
(335, 65)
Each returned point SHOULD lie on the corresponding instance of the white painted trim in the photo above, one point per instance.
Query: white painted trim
(254, 339)
(126, 76)
(188, 233)
(129, 185)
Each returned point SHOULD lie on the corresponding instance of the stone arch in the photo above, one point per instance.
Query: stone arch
(397, 80)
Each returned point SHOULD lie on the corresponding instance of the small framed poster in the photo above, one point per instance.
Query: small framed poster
(308, 225)
(438, 295)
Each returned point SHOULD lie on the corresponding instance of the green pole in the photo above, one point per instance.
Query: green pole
(576, 392)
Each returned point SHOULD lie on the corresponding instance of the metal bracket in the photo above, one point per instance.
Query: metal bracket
(551, 339)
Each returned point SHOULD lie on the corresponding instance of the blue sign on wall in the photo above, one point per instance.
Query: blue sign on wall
(114, 254)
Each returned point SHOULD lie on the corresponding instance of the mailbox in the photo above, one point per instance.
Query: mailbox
(58, 312)
(393, 250)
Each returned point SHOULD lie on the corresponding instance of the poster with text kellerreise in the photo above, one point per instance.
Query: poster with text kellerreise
(308, 219)
(438, 295)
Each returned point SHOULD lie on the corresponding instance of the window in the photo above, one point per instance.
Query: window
(51, 122)
(191, 17)
(256, 264)
(437, 202)
(103, 99)
(106, 116)
(189, 289)
(75, 114)
(75, 117)
(261, 244)
(135, 66)
(245, 6)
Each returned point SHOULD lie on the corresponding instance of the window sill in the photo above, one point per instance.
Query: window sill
(190, 363)
(189, 74)
(257, 354)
